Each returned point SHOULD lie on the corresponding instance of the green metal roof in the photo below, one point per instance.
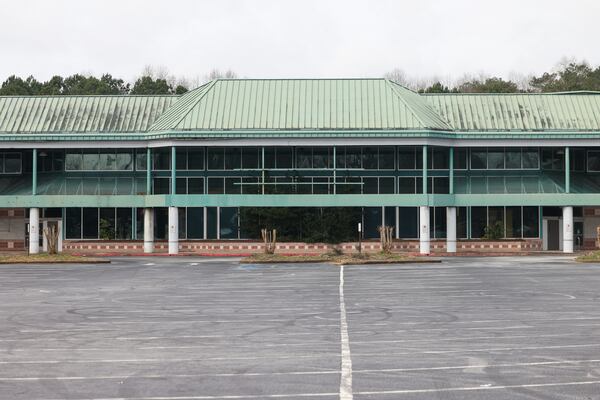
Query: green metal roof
(519, 112)
(299, 107)
(79, 114)
(300, 104)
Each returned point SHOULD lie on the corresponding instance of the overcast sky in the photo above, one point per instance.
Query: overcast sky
(304, 38)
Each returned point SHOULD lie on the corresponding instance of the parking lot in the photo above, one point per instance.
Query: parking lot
(198, 328)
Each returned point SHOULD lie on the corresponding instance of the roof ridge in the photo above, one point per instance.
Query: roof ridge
(202, 88)
(574, 92)
(393, 85)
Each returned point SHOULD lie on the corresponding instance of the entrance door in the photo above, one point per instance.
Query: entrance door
(553, 235)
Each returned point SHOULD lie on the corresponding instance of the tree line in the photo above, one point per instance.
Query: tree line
(151, 81)
(567, 76)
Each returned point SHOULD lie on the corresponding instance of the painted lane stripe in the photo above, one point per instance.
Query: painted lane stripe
(324, 372)
(170, 360)
(346, 360)
(474, 388)
(203, 397)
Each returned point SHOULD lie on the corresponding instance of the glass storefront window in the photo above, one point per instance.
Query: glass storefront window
(370, 185)
(124, 224)
(304, 157)
(460, 158)
(181, 158)
(140, 160)
(513, 222)
(284, 158)
(228, 222)
(461, 222)
(478, 222)
(408, 226)
(73, 223)
(369, 158)
(215, 158)
(513, 158)
(195, 185)
(90, 223)
(386, 185)
(593, 161)
(106, 224)
(195, 158)
(495, 158)
(439, 158)
(181, 185)
(531, 158)
(496, 217)
(10, 163)
(233, 158)
(162, 185)
(406, 158)
(478, 158)
(386, 157)
(216, 186)
(531, 226)
(250, 158)
(406, 185)
(353, 157)
(195, 222)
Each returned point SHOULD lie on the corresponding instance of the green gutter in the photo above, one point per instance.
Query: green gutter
(241, 134)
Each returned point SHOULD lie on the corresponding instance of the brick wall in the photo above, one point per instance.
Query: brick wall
(245, 247)
(12, 229)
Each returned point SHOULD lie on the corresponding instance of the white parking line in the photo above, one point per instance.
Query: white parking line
(461, 367)
(346, 372)
(472, 388)
(201, 397)
(170, 360)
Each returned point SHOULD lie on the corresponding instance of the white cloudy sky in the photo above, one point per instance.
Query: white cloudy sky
(302, 38)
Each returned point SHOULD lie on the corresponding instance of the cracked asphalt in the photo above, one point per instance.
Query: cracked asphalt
(201, 328)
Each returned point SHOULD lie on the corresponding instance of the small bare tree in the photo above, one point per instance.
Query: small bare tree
(51, 234)
(385, 236)
(270, 239)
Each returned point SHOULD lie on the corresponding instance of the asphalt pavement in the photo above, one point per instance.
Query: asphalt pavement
(199, 328)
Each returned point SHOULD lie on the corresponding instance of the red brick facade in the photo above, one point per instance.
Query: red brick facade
(246, 247)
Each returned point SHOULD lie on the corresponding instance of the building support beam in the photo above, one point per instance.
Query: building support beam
(173, 170)
(148, 171)
(567, 171)
(173, 211)
(34, 230)
(451, 171)
(424, 242)
(173, 230)
(451, 229)
(34, 168)
(568, 229)
(148, 230)
(425, 164)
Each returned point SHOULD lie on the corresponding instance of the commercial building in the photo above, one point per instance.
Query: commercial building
(173, 171)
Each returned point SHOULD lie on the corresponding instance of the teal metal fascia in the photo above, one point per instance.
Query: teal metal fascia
(191, 135)
(279, 200)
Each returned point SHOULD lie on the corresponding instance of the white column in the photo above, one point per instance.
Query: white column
(173, 230)
(451, 229)
(148, 230)
(34, 230)
(424, 245)
(567, 229)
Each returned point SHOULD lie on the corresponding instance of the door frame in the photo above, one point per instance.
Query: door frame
(545, 232)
